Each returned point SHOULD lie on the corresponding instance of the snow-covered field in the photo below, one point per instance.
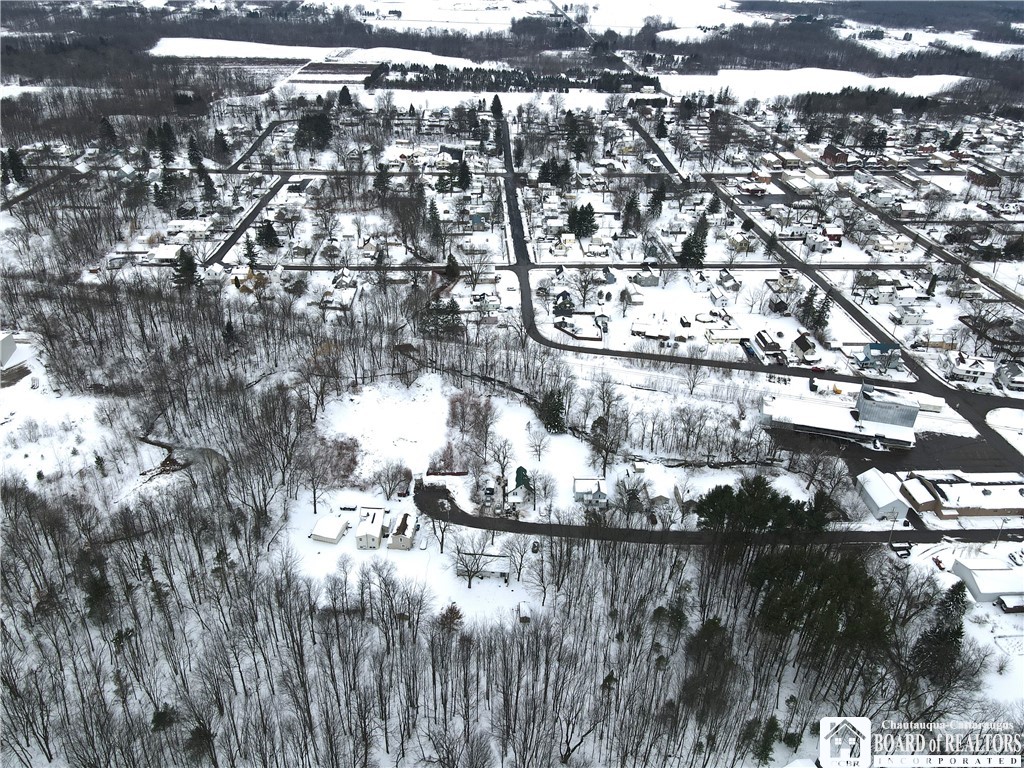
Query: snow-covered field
(687, 17)
(472, 16)
(204, 48)
(893, 43)
(766, 84)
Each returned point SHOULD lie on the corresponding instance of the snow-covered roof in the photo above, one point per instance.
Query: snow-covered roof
(831, 416)
(588, 485)
(882, 488)
(372, 524)
(329, 527)
(991, 576)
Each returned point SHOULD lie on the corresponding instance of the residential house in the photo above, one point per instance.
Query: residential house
(971, 368)
(767, 343)
(818, 244)
(698, 281)
(909, 316)
(370, 531)
(634, 295)
(804, 348)
(564, 306)
(834, 235)
(404, 532)
(833, 155)
(591, 492)
(718, 297)
(982, 177)
(646, 277)
(1011, 376)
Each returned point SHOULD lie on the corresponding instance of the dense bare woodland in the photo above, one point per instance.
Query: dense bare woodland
(179, 630)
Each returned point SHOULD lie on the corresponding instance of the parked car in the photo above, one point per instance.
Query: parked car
(1016, 559)
(938, 564)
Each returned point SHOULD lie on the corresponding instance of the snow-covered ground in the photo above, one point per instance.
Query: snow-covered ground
(9, 91)
(985, 623)
(471, 16)
(893, 43)
(204, 48)
(629, 17)
(766, 84)
(1008, 422)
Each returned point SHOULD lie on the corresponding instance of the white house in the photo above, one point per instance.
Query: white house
(880, 491)
(971, 368)
(718, 297)
(698, 281)
(909, 316)
(590, 491)
(370, 531)
(329, 529)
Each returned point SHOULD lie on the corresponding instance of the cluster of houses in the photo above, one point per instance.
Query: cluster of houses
(375, 525)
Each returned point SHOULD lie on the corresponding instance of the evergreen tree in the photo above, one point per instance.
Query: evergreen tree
(209, 189)
(451, 269)
(631, 215)
(185, 274)
(167, 142)
(152, 141)
(162, 198)
(15, 166)
(221, 150)
(382, 183)
(499, 140)
(953, 605)
(656, 201)
(661, 129)
(250, 251)
(551, 411)
(266, 236)
(518, 151)
(715, 205)
(463, 178)
(345, 98)
(815, 133)
(821, 314)
(582, 222)
(5, 171)
(195, 157)
(496, 109)
(805, 309)
(695, 244)
(107, 134)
